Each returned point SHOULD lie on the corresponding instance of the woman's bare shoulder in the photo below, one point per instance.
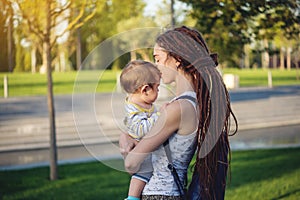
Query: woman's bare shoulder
(188, 116)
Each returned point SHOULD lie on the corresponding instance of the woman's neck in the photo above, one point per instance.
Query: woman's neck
(184, 83)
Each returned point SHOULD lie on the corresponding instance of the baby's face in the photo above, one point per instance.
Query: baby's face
(153, 93)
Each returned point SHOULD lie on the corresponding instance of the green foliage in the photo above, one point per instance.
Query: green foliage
(102, 16)
(255, 174)
(111, 18)
(104, 24)
(228, 25)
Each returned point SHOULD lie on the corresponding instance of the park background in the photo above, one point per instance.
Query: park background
(254, 40)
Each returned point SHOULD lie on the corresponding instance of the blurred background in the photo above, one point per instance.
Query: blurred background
(246, 34)
(46, 130)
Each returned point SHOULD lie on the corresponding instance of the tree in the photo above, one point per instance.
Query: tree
(138, 21)
(3, 37)
(107, 22)
(170, 13)
(75, 34)
(229, 25)
(42, 19)
(280, 20)
(6, 36)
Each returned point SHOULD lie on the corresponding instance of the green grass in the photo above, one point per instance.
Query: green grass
(79, 181)
(27, 84)
(259, 77)
(265, 174)
(255, 174)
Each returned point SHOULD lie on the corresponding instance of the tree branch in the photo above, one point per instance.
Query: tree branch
(78, 21)
(33, 27)
(56, 13)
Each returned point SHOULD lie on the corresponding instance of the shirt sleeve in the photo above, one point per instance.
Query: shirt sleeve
(138, 123)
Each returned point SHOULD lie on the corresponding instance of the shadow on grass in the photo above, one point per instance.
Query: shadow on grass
(294, 192)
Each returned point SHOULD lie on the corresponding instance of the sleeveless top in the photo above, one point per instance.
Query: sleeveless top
(182, 150)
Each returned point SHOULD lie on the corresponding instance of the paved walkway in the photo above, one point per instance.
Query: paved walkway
(89, 124)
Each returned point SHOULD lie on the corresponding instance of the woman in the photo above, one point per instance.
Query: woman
(183, 57)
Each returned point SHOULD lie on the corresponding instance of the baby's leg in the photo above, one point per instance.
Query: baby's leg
(136, 187)
(140, 179)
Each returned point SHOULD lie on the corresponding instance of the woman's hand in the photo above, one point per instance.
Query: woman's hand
(126, 144)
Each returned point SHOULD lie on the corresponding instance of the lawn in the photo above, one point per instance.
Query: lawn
(259, 77)
(27, 84)
(255, 174)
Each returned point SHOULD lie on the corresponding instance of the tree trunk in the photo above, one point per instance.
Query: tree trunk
(172, 14)
(265, 55)
(43, 68)
(62, 61)
(50, 100)
(133, 52)
(274, 57)
(297, 60)
(10, 40)
(288, 58)
(145, 55)
(78, 49)
(133, 55)
(247, 56)
(33, 60)
(297, 70)
(51, 110)
(282, 58)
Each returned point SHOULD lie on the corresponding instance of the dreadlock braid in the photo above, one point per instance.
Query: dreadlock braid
(188, 47)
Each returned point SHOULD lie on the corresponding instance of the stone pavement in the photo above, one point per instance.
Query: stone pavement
(93, 121)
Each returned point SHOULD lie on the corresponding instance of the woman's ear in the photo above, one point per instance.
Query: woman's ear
(177, 63)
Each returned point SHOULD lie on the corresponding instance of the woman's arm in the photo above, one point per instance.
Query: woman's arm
(167, 123)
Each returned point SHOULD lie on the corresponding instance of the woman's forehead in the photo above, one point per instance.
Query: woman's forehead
(158, 50)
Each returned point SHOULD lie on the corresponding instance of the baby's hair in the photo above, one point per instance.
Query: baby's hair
(138, 73)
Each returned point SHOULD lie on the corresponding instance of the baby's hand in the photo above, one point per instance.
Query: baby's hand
(126, 144)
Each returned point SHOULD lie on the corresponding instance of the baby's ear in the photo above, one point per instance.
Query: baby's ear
(145, 88)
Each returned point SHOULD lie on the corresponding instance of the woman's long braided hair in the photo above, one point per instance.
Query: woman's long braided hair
(188, 47)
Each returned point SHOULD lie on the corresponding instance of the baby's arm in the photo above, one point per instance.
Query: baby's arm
(139, 125)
